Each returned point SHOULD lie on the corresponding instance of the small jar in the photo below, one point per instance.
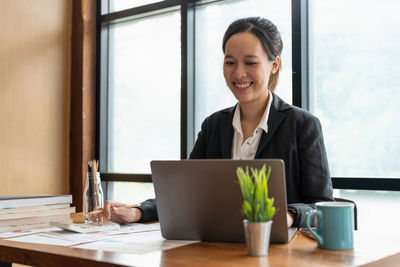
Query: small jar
(92, 193)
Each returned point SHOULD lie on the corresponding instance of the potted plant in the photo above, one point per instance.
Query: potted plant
(257, 208)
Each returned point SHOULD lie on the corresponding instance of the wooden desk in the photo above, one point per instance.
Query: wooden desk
(370, 249)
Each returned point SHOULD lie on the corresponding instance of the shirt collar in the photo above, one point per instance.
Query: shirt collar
(263, 124)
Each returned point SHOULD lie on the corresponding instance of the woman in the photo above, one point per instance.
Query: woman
(261, 125)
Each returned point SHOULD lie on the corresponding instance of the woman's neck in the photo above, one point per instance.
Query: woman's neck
(253, 111)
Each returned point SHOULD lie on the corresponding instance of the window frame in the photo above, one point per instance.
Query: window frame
(300, 82)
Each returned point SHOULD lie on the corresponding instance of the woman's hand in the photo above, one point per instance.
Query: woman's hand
(117, 212)
(290, 219)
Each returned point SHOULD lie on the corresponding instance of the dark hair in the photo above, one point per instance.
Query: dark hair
(266, 32)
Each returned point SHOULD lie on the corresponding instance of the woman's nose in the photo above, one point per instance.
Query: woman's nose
(240, 71)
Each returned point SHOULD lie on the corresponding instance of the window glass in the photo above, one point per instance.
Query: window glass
(130, 192)
(211, 92)
(372, 206)
(118, 5)
(354, 79)
(144, 92)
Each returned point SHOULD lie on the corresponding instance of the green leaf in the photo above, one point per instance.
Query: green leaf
(246, 209)
(257, 206)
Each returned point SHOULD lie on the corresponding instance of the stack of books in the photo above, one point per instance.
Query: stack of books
(30, 212)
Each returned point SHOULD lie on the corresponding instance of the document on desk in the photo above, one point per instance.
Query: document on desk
(136, 243)
(131, 238)
(97, 236)
(39, 239)
(124, 229)
(10, 234)
(66, 238)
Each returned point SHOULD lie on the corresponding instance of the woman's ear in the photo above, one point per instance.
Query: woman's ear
(275, 65)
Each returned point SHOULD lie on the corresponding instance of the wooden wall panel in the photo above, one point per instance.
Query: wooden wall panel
(34, 96)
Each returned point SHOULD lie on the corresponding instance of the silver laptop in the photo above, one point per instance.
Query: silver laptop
(201, 199)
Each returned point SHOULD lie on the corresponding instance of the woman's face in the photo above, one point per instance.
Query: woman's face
(247, 68)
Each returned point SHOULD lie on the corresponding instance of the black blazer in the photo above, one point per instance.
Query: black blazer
(294, 135)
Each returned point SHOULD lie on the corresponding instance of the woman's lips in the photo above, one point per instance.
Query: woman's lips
(242, 85)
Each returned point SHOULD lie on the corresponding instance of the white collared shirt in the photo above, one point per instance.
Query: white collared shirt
(248, 148)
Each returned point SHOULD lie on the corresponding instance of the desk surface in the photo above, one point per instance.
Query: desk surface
(370, 249)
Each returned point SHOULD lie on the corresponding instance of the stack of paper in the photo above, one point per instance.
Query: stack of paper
(29, 212)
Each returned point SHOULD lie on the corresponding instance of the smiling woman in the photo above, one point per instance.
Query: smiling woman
(261, 125)
(247, 69)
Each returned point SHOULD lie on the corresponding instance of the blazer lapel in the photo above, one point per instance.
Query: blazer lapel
(227, 134)
(274, 120)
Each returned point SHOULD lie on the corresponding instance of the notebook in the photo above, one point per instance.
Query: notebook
(201, 199)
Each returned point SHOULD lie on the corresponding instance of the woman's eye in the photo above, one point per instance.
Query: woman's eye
(251, 63)
(229, 63)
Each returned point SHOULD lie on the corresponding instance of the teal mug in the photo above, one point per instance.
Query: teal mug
(335, 224)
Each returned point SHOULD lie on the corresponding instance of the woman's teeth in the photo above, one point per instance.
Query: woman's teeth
(242, 85)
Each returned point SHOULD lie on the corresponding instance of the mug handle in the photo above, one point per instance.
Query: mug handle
(308, 218)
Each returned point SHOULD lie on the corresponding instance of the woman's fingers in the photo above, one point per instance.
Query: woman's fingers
(106, 209)
(116, 212)
(93, 216)
(125, 214)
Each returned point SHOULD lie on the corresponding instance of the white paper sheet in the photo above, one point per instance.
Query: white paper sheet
(66, 238)
(131, 238)
(27, 232)
(136, 243)
(38, 239)
(96, 236)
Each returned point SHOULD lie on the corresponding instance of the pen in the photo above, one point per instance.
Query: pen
(101, 210)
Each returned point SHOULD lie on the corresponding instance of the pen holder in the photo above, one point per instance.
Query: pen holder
(92, 194)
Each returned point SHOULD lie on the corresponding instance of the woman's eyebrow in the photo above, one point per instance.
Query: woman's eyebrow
(251, 56)
(246, 56)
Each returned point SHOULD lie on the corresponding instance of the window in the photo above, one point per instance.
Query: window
(118, 5)
(355, 85)
(161, 75)
(369, 202)
(139, 105)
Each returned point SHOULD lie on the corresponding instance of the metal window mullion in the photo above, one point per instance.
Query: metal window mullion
(104, 105)
(188, 78)
(362, 183)
(300, 85)
(305, 89)
(184, 72)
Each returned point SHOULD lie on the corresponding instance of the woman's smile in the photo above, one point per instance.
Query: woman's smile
(242, 85)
